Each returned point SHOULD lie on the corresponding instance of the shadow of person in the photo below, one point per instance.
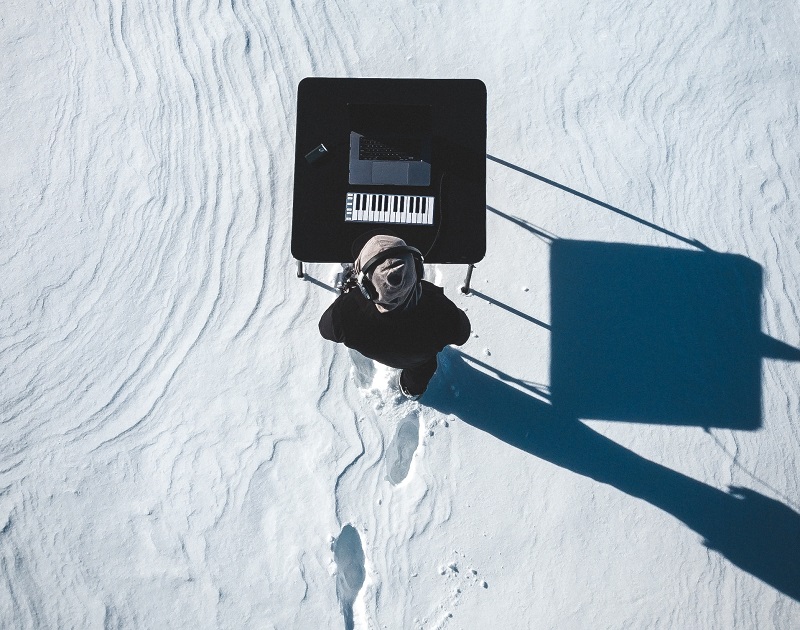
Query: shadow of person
(756, 533)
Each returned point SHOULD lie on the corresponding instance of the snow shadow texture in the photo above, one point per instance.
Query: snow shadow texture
(756, 533)
(656, 335)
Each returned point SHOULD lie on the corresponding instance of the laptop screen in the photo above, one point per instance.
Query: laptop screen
(386, 120)
(390, 144)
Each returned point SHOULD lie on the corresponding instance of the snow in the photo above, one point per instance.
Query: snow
(180, 449)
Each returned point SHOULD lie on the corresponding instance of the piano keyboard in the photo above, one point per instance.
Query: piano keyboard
(374, 208)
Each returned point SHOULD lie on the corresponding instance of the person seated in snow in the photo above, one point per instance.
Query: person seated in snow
(388, 313)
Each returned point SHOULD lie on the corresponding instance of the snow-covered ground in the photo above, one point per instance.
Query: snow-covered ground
(616, 446)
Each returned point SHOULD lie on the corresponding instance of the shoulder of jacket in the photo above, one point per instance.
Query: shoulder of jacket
(432, 287)
(354, 304)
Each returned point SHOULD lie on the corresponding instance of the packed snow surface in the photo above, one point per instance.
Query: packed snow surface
(617, 444)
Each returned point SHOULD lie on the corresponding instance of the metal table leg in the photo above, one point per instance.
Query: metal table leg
(465, 288)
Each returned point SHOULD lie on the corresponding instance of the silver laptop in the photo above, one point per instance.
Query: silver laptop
(390, 145)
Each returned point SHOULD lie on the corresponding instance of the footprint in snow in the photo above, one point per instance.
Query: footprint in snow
(401, 448)
(350, 573)
(363, 370)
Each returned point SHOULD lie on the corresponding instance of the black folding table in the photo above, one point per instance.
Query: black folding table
(458, 169)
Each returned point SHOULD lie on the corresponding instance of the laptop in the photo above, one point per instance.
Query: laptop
(390, 145)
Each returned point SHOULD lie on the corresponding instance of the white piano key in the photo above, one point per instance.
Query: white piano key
(362, 202)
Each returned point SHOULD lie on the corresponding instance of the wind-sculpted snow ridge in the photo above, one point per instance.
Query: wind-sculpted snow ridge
(144, 252)
(161, 229)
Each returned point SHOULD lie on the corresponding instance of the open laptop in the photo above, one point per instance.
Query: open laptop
(390, 144)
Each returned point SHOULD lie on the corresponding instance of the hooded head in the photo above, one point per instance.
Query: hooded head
(395, 278)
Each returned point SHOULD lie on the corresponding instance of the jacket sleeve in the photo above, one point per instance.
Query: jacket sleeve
(330, 324)
(463, 328)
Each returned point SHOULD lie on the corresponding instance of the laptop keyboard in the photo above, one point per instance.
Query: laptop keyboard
(369, 149)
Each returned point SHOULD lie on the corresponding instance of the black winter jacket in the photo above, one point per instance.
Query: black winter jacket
(400, 340)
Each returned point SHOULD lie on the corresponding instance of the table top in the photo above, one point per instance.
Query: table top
(458, 168)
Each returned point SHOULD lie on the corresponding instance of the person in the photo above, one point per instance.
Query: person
(388, 313)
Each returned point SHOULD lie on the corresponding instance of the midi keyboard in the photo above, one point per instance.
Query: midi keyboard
(376, 208)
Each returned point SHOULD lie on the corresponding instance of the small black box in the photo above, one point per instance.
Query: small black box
(316, 154)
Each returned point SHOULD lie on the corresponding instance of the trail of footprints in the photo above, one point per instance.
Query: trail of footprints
(405, 441)
(348, 552)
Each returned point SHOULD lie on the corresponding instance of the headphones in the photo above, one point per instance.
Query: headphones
(365, 285)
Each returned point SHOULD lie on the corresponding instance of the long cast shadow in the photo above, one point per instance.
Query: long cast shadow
(510, 309)
(756, 533)
(602, 204)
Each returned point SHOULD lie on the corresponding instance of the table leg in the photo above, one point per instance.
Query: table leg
(465, 288)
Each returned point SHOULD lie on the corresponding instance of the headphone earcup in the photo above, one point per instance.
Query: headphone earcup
(420, 267)
(366, 287)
